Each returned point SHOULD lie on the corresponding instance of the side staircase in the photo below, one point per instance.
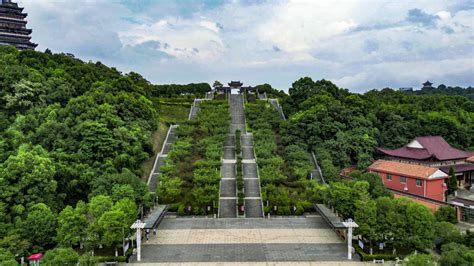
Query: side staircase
(160, 158)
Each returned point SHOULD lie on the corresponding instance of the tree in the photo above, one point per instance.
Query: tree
(72, 226)
(420, 259)
(26, 95)
(453, 254)
(98, 205)
(6, 258)
(421, 226)
(445, 233)
(217, 84)
(39, 226)
(452, 181)
(122, 191)
(365, 216)
(113, 224)
(60, 256)
(27, 177)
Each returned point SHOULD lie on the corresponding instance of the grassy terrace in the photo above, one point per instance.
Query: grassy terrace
(191, 174)
(283, 167)
(173, 110)
(170, 111)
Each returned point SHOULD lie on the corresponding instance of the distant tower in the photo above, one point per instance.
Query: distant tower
(427, 85)
(13, 29)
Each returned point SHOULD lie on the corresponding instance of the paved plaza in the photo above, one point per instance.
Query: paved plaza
(207, 240)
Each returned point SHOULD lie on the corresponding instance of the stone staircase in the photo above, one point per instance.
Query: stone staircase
(160, 158)
(253, 199)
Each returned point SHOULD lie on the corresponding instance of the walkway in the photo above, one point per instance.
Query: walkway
(160, 158)
(236, 102)
(181, 240)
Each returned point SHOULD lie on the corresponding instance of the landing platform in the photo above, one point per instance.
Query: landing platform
(207, 240)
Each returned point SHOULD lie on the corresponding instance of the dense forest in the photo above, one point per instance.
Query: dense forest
(445, 90)
(73, 136)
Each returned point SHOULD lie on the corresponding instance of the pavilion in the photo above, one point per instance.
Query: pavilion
(234, 88)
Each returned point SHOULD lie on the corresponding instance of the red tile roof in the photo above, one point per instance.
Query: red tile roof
(403, 169)
(433, 146)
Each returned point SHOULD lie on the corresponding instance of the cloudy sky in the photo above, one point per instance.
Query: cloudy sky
(359, 45)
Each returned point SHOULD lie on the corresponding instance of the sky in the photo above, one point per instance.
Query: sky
(358, 45)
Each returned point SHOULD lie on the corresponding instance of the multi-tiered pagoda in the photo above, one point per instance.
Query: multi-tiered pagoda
(13, 29)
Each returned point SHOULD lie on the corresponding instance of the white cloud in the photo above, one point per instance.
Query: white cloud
(357, 44)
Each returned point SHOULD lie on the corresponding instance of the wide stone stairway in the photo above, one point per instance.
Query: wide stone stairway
(253, 199)
(228, 187)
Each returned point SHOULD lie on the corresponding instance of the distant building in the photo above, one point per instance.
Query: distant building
(13, 29)
(406, 89)
(427, 85)
(235, 87)
(421, 169)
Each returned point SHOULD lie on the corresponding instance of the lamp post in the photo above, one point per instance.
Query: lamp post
(138, 225)
(349, 224)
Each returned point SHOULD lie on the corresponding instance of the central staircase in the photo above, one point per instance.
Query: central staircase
(228, 187)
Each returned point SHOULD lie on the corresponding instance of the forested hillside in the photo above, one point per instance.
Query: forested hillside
(72, 134)
(345, 128)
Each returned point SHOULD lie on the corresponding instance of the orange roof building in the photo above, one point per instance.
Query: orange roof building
(419, 180)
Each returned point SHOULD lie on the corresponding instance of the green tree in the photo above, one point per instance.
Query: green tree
(365, 216)
(6, 258)
(113, 224)
(122, 191)
(446, 232)
(72, 226)
(98, 205)
(421, 226)
(39, 226)
(452, 181)
(453, 254)
(27, 177)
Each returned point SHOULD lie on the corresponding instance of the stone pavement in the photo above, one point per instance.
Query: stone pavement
(273, 263)
(222, 241)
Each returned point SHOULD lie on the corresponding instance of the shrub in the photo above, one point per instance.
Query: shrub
(60, 256)
(368, 257)
(446, 214)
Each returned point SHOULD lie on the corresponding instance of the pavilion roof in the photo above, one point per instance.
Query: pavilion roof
(458, 168)
(235, 83)
(428, 147)
(406, 169)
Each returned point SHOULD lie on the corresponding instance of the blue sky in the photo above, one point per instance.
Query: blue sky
(358, 45)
